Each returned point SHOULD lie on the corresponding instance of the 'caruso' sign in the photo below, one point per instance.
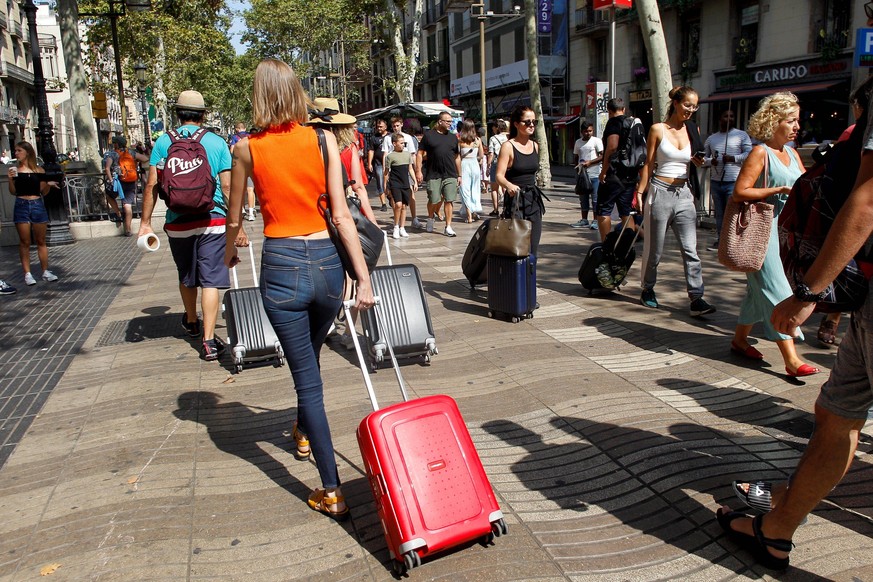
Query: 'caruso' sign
(803, 72)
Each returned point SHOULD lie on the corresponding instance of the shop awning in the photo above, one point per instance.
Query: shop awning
(566, 120)
(752, 93)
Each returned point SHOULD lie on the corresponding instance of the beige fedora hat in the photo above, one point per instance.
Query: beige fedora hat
(191, 101)
(329, 107)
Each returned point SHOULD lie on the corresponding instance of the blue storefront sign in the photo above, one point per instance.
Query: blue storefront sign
(544, 17)
(864, 48)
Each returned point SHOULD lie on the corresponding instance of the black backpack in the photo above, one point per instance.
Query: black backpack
(630, 156)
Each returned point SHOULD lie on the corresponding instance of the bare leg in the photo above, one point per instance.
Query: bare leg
(128, 217)
(826, 459)
(604, 225)
(113, 205)
(39, 231)
(789, 354)
(741, 336)
(447, 209)
(209, 304)
(24, 245)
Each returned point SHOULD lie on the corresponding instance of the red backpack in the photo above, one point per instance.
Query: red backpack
(816, 198)
(186, 181)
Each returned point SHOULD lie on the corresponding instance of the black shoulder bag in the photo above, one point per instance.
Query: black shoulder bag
(371, 236)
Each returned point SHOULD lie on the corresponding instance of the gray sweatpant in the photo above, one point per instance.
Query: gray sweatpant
(673, 207)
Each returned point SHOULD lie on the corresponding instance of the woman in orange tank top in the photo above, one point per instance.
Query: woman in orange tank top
(301, 274)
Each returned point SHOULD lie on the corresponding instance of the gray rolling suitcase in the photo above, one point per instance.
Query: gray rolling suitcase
(404, 316)
(249, 334)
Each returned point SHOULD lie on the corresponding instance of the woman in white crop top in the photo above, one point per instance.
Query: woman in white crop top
(669, 203)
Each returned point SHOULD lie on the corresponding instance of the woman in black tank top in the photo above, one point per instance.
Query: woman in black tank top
(517, 167)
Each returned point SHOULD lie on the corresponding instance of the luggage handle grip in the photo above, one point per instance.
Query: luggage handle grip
(347, 305)
(254, 268)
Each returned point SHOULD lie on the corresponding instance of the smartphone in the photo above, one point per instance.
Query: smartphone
(699, 154)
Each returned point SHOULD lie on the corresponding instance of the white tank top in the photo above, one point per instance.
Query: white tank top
(672, 162)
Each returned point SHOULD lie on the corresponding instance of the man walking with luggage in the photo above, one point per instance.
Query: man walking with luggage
(196, 239)
(725, 151)
(617, 190)
(443, 170)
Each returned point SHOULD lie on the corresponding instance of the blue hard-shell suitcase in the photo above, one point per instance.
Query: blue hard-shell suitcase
(512, 287)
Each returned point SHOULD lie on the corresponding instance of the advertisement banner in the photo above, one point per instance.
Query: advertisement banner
(596, 96)
(544, 17)
(604, 4)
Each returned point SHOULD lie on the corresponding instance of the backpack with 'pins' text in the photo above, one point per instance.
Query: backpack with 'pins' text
(630, 157)
(186, 182)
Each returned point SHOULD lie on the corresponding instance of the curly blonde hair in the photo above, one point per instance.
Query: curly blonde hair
(771, 111)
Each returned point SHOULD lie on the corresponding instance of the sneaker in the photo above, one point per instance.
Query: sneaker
(251, 215)
(648, 299)
(429, 227)
(593, 226)
(396, 232)
(191, 328)
(416, 223)
(700, 307)
(49, 276)
(212, 349)
(28, 279)
(494, 213)
(449, 231)
(383, 208)
(582, 223)
(403, 232)
(713, 247)
(6, 288)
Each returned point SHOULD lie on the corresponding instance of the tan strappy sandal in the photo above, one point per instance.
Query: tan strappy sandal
(303, 450)
(319, 502)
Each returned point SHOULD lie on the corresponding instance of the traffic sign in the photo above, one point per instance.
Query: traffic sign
(864, 48)
(604, 4)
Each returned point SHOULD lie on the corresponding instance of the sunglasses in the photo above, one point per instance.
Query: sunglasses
(868, 9)
(530, 122)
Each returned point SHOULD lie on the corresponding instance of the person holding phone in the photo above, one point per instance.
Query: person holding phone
(669, 203)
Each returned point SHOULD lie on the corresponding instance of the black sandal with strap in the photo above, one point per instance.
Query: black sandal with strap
(757, 544)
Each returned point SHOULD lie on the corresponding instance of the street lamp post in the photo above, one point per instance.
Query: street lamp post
(481, 16)
(140, 70)
(58, 232)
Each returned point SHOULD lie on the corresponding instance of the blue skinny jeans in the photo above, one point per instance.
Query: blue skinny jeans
(302, 287)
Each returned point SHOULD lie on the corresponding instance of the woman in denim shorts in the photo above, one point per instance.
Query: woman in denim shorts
(28, 184)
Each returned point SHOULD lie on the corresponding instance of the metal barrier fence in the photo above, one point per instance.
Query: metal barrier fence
(86, 198)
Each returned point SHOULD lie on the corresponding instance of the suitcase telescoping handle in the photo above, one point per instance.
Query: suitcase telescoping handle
(254, 268)
(630, 218)
(347, 305)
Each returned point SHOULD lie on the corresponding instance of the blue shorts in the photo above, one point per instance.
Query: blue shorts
(29, 212)
(200, 260)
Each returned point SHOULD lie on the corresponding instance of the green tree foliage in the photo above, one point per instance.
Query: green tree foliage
(184, 45)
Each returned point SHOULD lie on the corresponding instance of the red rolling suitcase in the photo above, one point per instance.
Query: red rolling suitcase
(430, 488)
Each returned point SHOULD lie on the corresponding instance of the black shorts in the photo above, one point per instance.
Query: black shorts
(401, 195)
(615, 193)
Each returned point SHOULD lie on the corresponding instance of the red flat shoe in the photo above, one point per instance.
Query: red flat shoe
(749, 352)
(803, 370)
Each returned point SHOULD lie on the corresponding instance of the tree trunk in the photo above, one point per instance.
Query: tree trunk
(406, 64)
(83, 120)
(536, 97)
(659, 62)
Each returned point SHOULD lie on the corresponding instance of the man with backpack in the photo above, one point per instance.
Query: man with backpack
(190, 169)
(624, 155)
(122, 164)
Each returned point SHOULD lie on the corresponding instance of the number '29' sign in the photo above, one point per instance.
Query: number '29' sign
(544, 16)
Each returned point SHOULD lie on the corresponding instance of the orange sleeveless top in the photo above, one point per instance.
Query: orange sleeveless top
(288, 174)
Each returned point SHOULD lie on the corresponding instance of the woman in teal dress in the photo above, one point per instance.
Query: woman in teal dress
(775, 123)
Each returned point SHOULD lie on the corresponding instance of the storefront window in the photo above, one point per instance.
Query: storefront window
(746, 42)
(690, 44)
(831, 27)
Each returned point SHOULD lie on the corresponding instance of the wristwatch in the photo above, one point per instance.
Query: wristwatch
(803, 294)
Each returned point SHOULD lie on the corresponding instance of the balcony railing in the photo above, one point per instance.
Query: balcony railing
(589, 20)
(4, 20)
(15, 29)
(16, 73)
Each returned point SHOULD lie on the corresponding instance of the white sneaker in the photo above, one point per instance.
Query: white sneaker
(416, 223)
(28, 279)
(251, 215)
(449, 231)
(49, 276)
(429, 227)
(403, 232)
(396, 232)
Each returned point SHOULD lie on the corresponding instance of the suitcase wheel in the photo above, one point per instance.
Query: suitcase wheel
(499, 528)
(411, 560)
(379, 356)
(490, 314)
(515, 319)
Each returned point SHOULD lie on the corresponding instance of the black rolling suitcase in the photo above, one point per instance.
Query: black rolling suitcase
(249, 333)
(512, 287)
(475, 261)
(404, 315)
(606, 264)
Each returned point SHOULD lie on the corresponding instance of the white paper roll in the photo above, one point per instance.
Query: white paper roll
(149, 242)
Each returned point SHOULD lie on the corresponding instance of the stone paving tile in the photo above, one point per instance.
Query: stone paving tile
(609, 432)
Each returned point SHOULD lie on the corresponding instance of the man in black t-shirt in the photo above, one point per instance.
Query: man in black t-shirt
(618, 191)
(443, 170)
(375, 157)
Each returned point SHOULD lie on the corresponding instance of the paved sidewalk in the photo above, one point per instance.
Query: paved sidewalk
(609, 432)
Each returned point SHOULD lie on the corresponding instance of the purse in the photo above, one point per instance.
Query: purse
(371, 236)
(745, 232)
(583, 183)
(508, 237)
